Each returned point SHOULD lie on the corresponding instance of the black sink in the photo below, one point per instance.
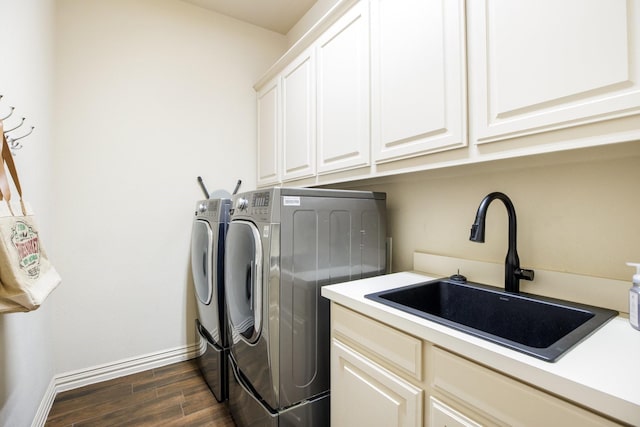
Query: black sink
(540, 327)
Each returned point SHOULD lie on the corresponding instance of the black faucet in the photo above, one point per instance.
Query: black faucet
(512, 271)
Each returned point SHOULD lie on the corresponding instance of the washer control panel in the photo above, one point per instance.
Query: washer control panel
(208, 208)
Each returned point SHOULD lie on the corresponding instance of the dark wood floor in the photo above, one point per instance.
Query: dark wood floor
(174, 395)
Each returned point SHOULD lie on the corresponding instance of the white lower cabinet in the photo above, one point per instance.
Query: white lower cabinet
(490, 398)
(381, 376)
(366, 394)
(443, 415)
(376, 373)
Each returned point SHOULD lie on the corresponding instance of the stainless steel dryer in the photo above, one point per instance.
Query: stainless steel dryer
(283, 244)
(207, 266)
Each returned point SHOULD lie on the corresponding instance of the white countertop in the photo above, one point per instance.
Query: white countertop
(602, 372)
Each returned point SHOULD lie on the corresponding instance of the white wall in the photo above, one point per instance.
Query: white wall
(26, 362)
(577, 211)
(317, 11)
(149, 95)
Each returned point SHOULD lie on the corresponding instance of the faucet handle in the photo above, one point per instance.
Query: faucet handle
(524, 274)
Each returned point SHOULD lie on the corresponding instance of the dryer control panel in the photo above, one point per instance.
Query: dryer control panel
(261, 200)
(260, 203)
(256, 204)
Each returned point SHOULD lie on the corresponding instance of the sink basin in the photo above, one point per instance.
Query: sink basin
(540, 327)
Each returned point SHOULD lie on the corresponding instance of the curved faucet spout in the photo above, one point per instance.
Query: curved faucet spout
(513, 273)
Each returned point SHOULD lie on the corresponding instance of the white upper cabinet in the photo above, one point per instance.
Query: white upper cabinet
(299, 118)
(418, 77)
(343, 92)
(542, 65)
(380, 87)
(268, 134)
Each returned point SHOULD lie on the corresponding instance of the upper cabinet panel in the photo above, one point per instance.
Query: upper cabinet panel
(299, 118)
(546, 65)
(343, 92)
(418, 72)
(268, 130)
(380, 87)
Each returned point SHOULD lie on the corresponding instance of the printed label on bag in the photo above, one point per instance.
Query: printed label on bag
(25, 240)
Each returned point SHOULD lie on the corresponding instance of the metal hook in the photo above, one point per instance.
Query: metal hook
(10, 113)
(15, 147)
(15, 127)
(12, 141)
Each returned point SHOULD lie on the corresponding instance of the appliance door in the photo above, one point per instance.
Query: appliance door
(201, 260)
(243, 281)
(207, 279)
(247, 276)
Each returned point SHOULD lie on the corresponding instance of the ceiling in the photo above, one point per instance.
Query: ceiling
(275, 15)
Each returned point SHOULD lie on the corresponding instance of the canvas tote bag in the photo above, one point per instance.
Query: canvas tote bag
(26, 275)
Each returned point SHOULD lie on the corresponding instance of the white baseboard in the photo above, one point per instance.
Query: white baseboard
(108, 371)
(45, 405)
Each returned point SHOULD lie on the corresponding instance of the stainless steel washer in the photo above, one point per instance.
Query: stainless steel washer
(283, 245)
(207, 266)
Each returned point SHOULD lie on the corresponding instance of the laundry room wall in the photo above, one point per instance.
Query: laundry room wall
(26, 344)
(308, 20)
(577, 211)
(149, 95)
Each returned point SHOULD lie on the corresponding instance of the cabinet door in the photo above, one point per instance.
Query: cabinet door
(441, 415)
(365, 394)
(548, 64)
(298, 113)
(343, 92)
(268, 134)
(418, 76)
(503, 399)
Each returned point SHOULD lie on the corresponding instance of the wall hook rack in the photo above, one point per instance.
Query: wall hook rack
(14, 141)
(16, 126)
(8, 115)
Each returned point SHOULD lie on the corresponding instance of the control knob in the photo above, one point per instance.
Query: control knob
(243, 203)
(202, 207)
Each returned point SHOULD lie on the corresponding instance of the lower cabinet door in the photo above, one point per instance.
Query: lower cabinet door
(364, 393)
(442, 415)
(482, 392)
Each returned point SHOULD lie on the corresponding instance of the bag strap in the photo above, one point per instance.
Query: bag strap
(7, 158)
(5, 192)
